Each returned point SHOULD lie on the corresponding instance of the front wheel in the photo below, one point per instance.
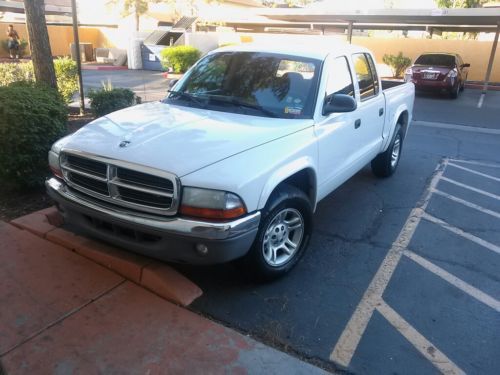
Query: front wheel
(385, 164)
(283, 235)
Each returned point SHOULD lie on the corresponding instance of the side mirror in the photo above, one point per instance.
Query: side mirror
(466, 66)
(172, 83)
(337, 103)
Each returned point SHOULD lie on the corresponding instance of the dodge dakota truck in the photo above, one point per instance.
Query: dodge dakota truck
(232, 163)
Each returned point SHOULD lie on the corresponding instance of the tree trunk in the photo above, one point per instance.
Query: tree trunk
(39, 42)
(137, 18)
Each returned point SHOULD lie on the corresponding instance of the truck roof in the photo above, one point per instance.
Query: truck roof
(316, 50)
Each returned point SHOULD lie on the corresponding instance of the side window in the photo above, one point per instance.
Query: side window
(364, 76)
(340, 79)
(374, 72)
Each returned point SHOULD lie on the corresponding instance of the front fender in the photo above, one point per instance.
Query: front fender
(285, 171)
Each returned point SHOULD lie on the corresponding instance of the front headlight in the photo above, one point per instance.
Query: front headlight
(211, 204)
(54, 152)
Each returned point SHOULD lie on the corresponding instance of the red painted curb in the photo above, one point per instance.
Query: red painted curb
(103, 67)
(169, 284)
(151, 274)
(480, 87)
(36, 223)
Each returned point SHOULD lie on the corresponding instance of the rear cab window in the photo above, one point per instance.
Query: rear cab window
(366, 75)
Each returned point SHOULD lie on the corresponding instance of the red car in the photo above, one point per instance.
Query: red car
(439, 71)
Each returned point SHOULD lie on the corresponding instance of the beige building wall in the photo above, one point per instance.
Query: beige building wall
(60, 37)
(476, 53)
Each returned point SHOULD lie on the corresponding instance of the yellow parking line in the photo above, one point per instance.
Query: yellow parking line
(471, 188)
(424, 346)
(467, 203)
(349, 339)
(460, 232)
(474, 171)
(473, 162)
(455, 281)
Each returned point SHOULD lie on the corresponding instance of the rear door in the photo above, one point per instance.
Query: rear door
(371, 107)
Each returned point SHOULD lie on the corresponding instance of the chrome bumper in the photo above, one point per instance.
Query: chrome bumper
(168, 225)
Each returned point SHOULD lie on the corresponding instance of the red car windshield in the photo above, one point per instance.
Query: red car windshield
(436, 60)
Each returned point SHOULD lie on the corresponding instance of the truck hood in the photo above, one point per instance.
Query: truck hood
(177, 139)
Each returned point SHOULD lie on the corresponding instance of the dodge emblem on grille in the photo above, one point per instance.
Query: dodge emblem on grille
(124, 143)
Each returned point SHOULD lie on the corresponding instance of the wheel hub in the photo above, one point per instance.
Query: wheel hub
(283, 237)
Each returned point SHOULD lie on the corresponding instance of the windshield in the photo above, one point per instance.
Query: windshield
(436, 60)
(252, 83)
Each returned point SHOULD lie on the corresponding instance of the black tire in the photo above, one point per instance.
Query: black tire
(286, 197)
(383, 165)
(455, 91)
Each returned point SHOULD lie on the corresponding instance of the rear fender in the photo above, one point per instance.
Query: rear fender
(394, 120)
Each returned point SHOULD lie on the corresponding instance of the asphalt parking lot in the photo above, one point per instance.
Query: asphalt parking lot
(402, 273)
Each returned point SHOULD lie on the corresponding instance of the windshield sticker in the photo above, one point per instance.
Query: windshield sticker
(293, 110)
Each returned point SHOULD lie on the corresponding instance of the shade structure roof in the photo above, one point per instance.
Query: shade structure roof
(471, 16)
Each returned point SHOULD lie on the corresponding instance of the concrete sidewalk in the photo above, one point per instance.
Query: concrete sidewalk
(63, 313)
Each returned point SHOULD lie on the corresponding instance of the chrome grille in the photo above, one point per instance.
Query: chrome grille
(136, 187)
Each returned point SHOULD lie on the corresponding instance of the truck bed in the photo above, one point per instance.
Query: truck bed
(389, 84)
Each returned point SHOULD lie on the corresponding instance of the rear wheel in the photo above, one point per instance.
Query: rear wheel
(283, 235)
(385, 164)
(455, 91)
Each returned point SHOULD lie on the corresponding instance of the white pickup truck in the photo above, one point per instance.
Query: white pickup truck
(232, 163)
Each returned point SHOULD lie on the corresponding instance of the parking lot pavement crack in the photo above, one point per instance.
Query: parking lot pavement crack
(63, 317)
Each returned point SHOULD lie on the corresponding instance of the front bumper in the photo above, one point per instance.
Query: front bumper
(170, 238)
(422, 84)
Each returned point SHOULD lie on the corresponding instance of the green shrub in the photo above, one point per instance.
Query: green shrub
(67, 77)
(66, 74)
(32, 117)
(23, 45)
(108, 100)
(15, 72)
(179, 58)
(398, 63)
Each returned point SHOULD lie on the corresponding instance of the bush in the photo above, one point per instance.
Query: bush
(67, 77)
(16, 72)
(398, 63)
(32, 118)
(179, 58)
(23, 45)
(66, 74)
(108, 100)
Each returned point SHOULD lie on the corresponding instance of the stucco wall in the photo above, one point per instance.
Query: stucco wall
(60, 37)
(473, 52)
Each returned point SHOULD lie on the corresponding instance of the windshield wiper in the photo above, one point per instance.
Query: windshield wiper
(189, 97)
(239, 103)
(253, 106)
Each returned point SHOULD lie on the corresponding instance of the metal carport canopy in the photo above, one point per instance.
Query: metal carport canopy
(471, 19)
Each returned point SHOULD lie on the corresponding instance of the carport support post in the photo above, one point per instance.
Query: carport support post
(349, 32)
(490, 63)
(76, 38)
